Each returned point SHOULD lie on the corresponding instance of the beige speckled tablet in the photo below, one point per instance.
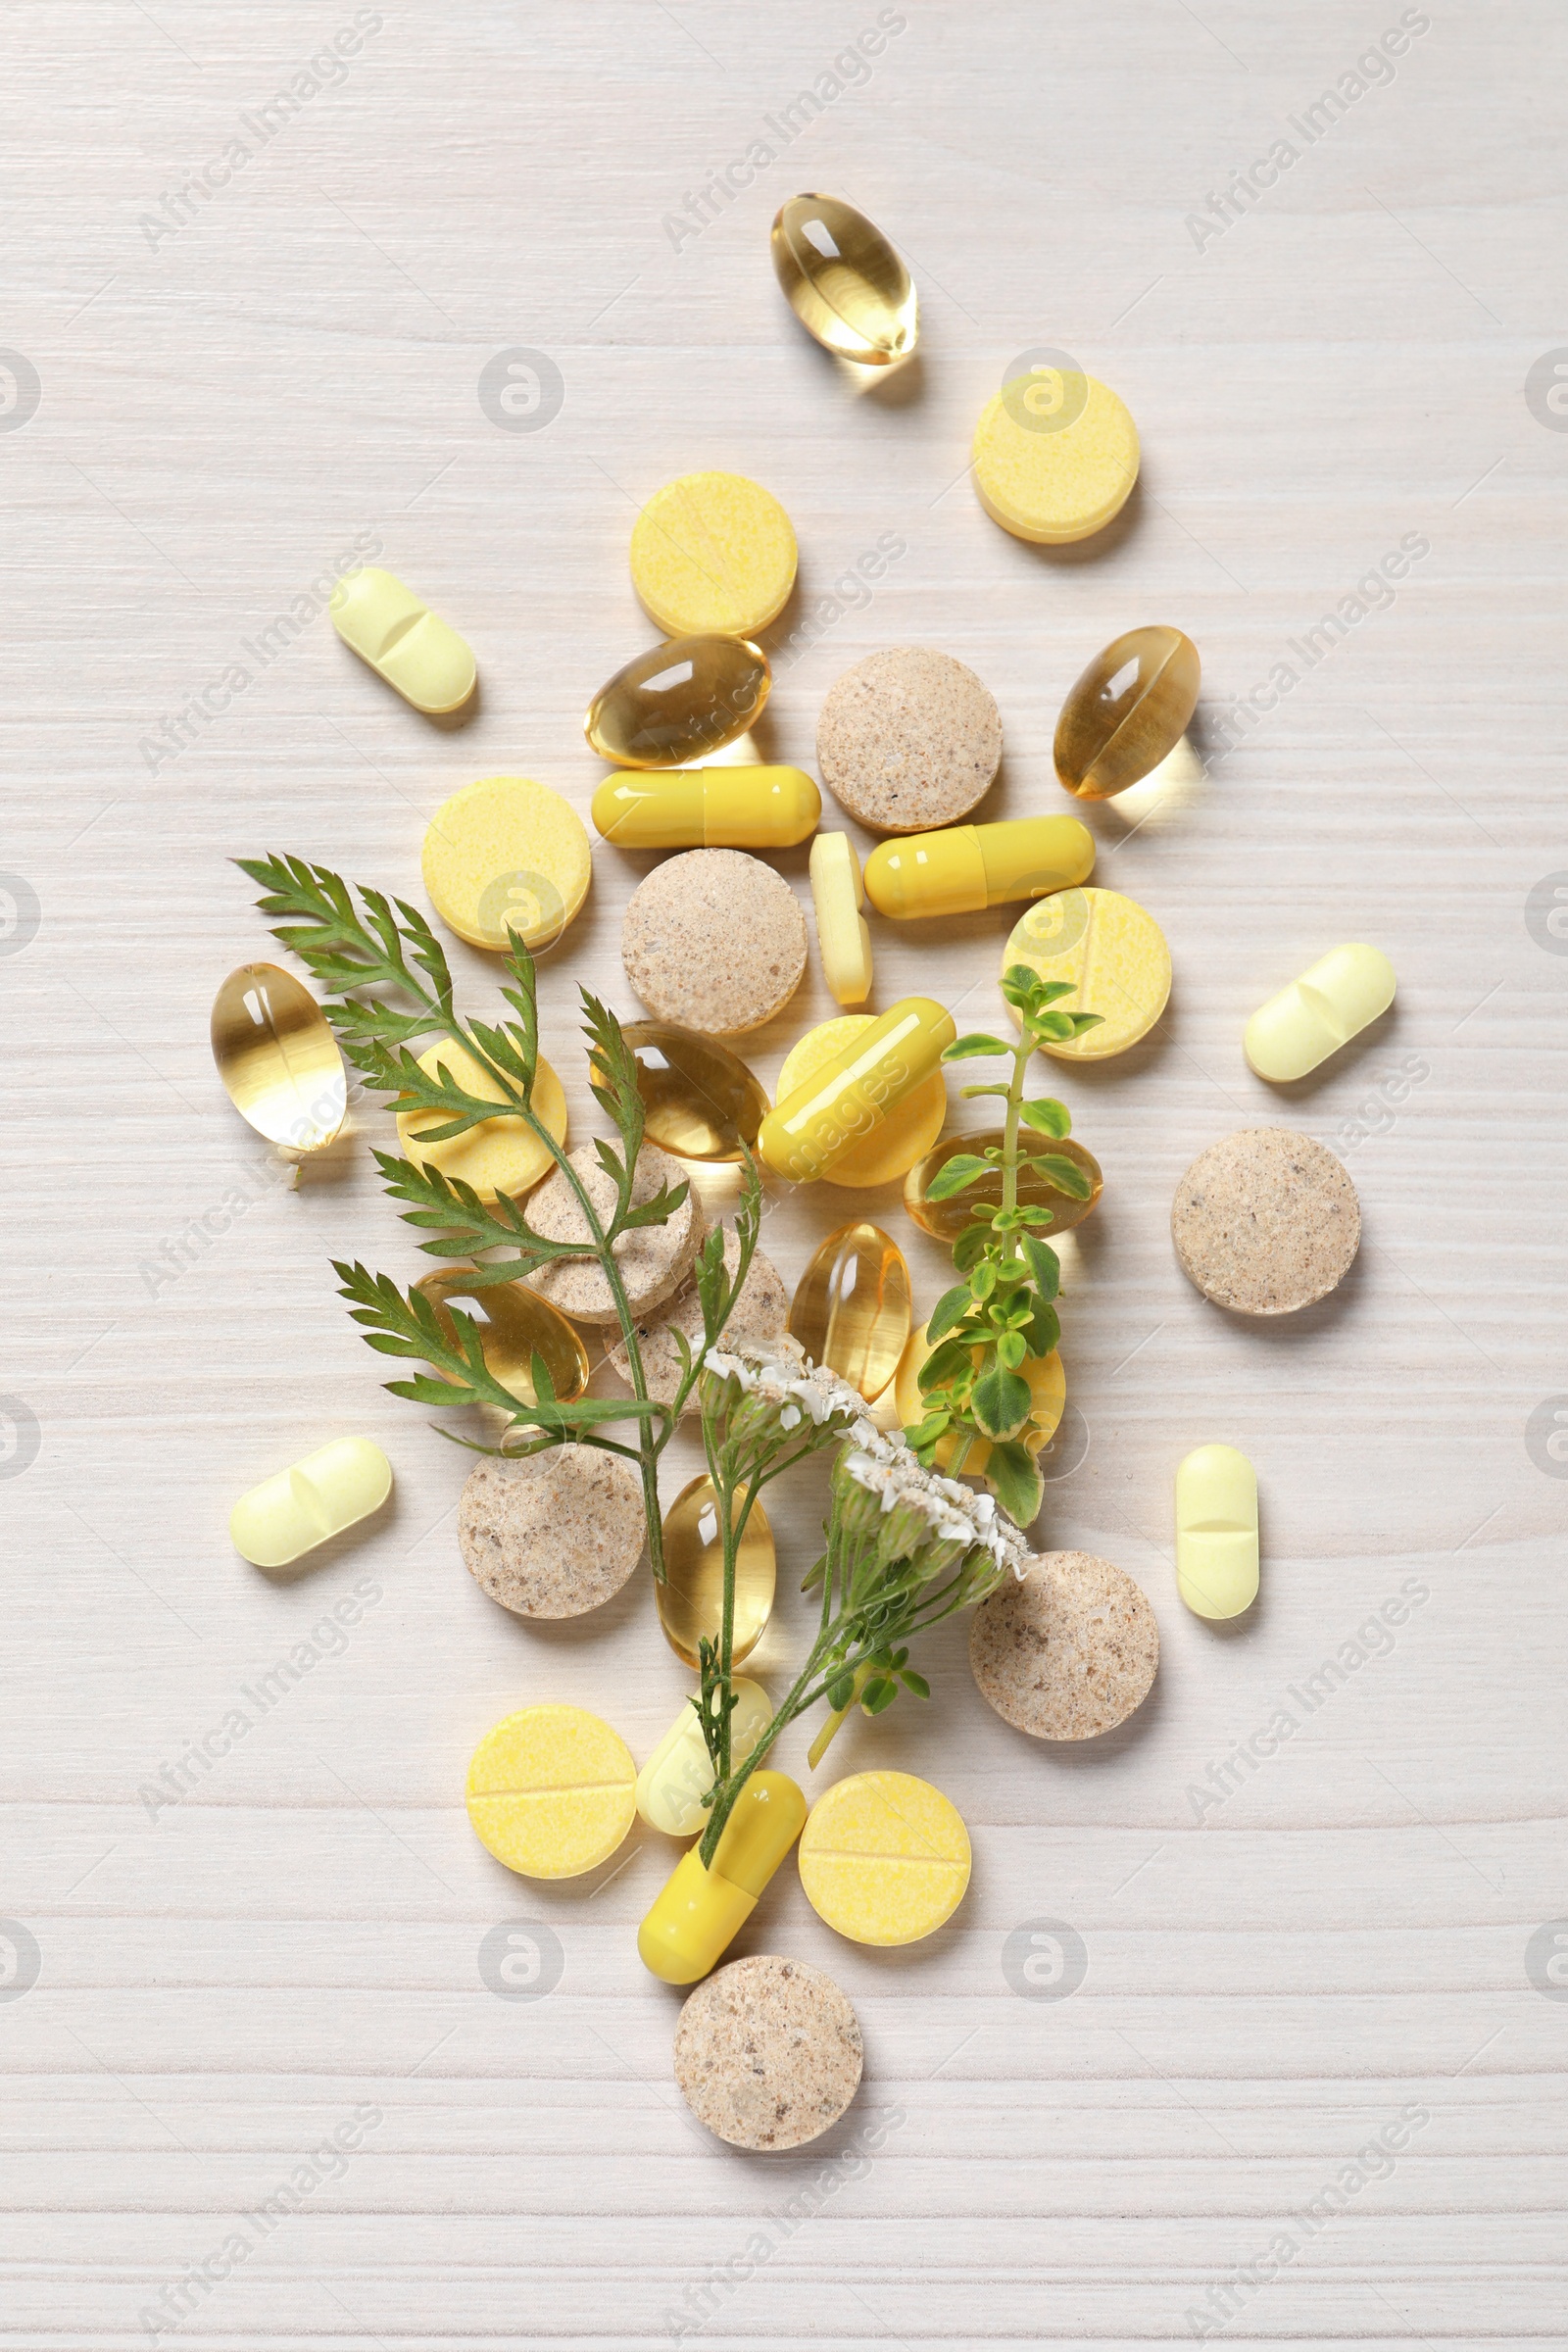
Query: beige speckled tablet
(1266, 1221)
(553, 1536)
(715, 940)
(654, 1259)
(908, 739)
(756, 1319)
(767, 2053)
(1068, 1652)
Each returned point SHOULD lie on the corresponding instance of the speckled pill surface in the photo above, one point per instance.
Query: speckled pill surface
(712, 552)
(554, 1534)
(1055, 456)
(1067, 1652)
(499, 1156)
(756, 1320)
(904, 1136)
(654, 1259)
(507, 854)
(908, 739)
(552, 1792)
(884, 1858)
(1266, 1222)
(767, 2053)
(1111, 952)
(715, 940)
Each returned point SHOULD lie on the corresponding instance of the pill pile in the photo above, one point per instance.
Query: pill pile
(614, 1255)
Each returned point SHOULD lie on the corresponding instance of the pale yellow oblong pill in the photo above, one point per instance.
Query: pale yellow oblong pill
(404, 641)
(312, 1499)
(678, 1775)
(1216, 1531)
(1331, 1003)
(843, 939)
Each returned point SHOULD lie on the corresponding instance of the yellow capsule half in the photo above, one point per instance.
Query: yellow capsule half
(967, 867)
(330, 1489)
(1332, 1001)
(1216, 1531)
(707, 809)
(404, 641)
(818, 1125)
(701, 1912)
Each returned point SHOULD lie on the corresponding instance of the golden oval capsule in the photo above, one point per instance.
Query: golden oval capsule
(699, 1912)
(1127, 713)
(850, 1309)
(1332, 1001)
(707, 809)
(964, 868)
(310, 1502)
(277, 1057)
(515, 1325)
(844, 280)
(414, 648)
(678, 1775)
(679, 701)
(700, 1100)
(1216, 1531)
(691, 1599)
(805, 1135)
(946, 1219)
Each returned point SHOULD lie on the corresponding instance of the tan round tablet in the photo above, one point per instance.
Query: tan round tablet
(767, 2053)
(715, 940)
(908, 739)
(553, 1536)
(654, 1259)
(1069, 1651)
(756, 1319)
(1266, 1222)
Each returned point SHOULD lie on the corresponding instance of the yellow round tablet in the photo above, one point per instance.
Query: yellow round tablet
(1112, 954)
(712, 554)
(884, 1858)
(1055, 456)
(507, 854)
(1048, 1392)
(499, 1156)
(904, 1136)
(552, 1792)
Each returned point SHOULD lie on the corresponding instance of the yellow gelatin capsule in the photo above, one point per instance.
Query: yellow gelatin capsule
(1216, 1531)
(1334, 999)
(1127, 713)
(843, 938)
(289, 1515)
(964, 868)
(844, 282)
(691, 1599)
(946, 1219)
(514, 1326)
(507, 854)
(850, 1309)
(1111, 953)
(499, 1157)
(678, 1775)
(884, 1858)
(1055, 456)
(701, 1912)
(811, 1131)
(277, 1057)
(707, 809)
(1048, 1393)
(679, 701)
(700, 1100)
(552, 1792)
(713, 552)
(404, 641)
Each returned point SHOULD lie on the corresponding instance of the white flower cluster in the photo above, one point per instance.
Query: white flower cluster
(956, 1513)
(802, 1391)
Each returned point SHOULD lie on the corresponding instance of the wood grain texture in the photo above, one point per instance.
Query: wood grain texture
(1325, 1936)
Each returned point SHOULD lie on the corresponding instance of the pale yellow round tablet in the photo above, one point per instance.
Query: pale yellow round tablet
(1055, 456)
(507, 854)
(1112, 954)
(843, 939)
(499, 1156)
(552, 1792)
(712, 554)
(904, 1136)
(884, 1858)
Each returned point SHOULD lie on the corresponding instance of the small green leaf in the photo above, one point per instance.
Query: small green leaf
(915, 1682)
(1045, 1329)
(1001, 1403)
(960, 1172)
(1066, 1174)
(942, 1364)
(1046, 1116)
(949, 1308)
(1011, 1349)
(1016, 1483)
(878, 1695)
(1044, 1265)
(840, 1693)
(983, 1278)
(970, 1245)
(965, 1048)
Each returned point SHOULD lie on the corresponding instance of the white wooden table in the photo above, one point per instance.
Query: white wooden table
(1285, 1953)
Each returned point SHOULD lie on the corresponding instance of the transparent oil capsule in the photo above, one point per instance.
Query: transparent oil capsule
(515, 1324)
(691, 1600)
(1128, 710)
(679, 701)
(850, 1309)
(946, 1219)
(844, 280)
(277, 1057)
(699, 1100)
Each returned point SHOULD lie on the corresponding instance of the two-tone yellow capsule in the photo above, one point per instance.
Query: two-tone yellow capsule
(707, 809)
(701, 1911)
(810, 1130)
(965, 869)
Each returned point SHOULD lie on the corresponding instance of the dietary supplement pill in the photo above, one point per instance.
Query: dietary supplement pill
(967, 867)
(699, 1100)
(706, 807)
(1046, 1376)
(1216, 1531)
(554, 1534)
(756, 1320)
(884, 1858)
(515, 1325)
(501, 1155)
(653, 1261)
(946, 1219)
(678, 1775)
(712, 554)
(552, 1792)
(850, 1309)
(1332, 1001)
(908, 739)
(843, 937)
(330, 1489)
(1127, 712)
(767, 2053)
(679, 702)
(701, 1910)
(1055, 456)
(821, 1121)
(714, 941)
(404, 641)
(1067, 1652)
(277, 1057)
(691, 1599)
(507, 854)
(1112, 954)
(844, 280)
(1266, 1222)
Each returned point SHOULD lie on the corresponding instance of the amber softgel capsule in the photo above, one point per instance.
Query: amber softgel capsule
(679, 702)
(277, 1057)
(844, 280)
(1127, 712)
